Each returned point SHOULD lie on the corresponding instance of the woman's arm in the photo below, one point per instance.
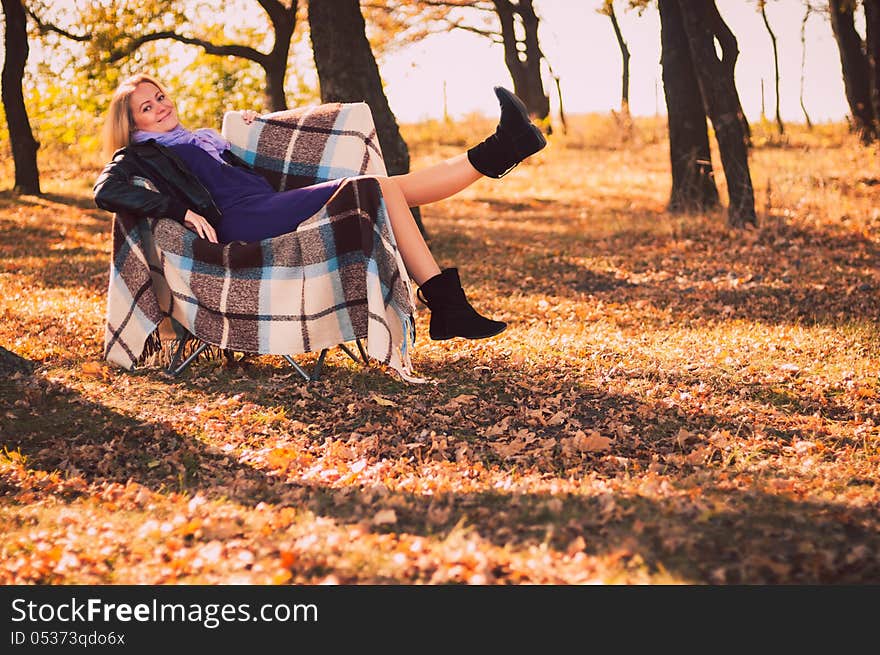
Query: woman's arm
(115, 192)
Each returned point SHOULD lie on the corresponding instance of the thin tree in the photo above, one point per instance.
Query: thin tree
(558, 84)
(808, 10)
(693, 183)
(855, 66)
(762, 7)
(722, 105)
(21, 137)
(347, 72)
(608, 10)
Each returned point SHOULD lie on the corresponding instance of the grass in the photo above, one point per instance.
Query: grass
(673, 402)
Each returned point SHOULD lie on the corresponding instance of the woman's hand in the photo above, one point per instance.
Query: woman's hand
(201, 225)
(249, 115)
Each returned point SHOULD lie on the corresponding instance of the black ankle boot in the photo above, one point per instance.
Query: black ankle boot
(451, 313)
(514, 139)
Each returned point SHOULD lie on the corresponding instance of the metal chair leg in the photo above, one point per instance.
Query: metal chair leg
(176, 357)
(316, 369)
(299, 369)
(364, 358)
(348, 352)
(362, 351)
(173, 370)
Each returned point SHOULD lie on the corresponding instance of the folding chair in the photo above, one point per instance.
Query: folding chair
(338, 278)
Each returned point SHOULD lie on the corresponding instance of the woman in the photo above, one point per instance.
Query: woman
(203, 185)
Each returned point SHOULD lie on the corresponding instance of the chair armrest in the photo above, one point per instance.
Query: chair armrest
(307, 145)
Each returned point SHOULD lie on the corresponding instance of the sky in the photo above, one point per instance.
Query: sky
(582, 48)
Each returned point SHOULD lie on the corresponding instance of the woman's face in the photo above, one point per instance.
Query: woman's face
(152, 110)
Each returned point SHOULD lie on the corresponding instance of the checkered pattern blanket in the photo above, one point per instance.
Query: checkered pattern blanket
(338, 277)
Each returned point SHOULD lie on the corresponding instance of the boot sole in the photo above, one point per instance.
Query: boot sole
(503, 94)
(539, 139)
(482, 336)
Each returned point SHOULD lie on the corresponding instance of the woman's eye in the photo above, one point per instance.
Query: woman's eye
(160, 97)
(147, 108)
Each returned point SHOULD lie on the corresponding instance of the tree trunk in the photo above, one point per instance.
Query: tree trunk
(807, 12)
(624, 54)
(540, 100)
(872, 49)
(729, 55)
(523, 63)
(558, 83)
(693, 185)
(779, 123)
(854, 66)
(275, 96)
(21, 137)
(275, 64)
(347, 72)
(561, 106)
(722, 104)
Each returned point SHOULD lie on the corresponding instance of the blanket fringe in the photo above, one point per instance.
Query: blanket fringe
(160, 352)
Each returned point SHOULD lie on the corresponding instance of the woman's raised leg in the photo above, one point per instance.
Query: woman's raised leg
(515, 139)
(437, 182)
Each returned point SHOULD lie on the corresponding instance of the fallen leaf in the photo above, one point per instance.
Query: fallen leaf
(461, 399)
(385, 517)
(94, 369)
(583, 443)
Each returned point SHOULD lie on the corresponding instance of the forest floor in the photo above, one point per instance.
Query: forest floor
(674, 402)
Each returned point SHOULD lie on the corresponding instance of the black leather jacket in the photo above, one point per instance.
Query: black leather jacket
(179, 189)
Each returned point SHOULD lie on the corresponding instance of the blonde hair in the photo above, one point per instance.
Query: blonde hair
(119, 122)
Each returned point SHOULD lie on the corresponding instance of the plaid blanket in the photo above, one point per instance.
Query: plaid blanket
(338, 277)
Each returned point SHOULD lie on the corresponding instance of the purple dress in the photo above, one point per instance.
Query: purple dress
(251, 209)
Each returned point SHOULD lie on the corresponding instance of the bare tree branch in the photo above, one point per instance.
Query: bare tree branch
(234, 50)
(45, 28)
(489, 34)
(460, 5)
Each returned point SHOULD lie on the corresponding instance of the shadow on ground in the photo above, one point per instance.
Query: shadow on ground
(782, 274)
(716, 536)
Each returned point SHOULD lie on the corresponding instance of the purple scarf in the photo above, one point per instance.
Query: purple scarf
(205, 138)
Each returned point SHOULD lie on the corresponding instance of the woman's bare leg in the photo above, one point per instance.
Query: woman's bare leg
(452, 315)
(437, 182)
(417, 257)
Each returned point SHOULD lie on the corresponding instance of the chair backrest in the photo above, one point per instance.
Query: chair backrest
(307, 145)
